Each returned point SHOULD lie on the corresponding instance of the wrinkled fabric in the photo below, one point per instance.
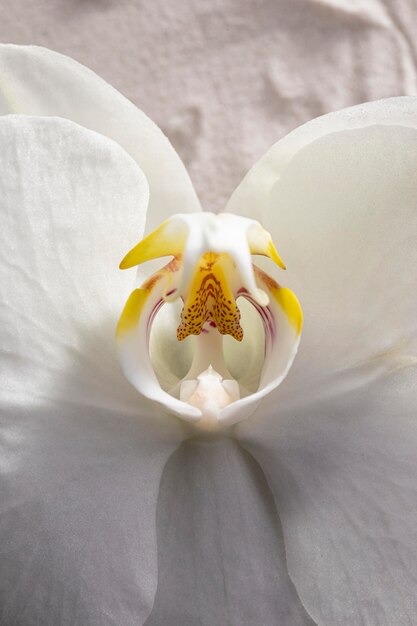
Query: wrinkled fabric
(227, 78)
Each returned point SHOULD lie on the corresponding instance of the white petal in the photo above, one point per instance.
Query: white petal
(133, 339)
(81, 456)
(245, 359)
(346, 211)
(337, 441)
(171, 359)
(282, 320)
(251, 197)
(220, 550)
(344, 475)
(37, 81)
(71, 201)
(77, 515)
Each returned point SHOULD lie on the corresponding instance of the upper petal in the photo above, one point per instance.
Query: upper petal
(71, 202)
(342, 211)
(345, 209)
(251, 197)
(37, 81)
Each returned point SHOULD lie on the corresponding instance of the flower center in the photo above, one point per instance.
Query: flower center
(210, 299)
(211, 267)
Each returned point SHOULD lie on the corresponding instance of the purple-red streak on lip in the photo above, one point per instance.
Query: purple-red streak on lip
(266, 314)
(267, 317)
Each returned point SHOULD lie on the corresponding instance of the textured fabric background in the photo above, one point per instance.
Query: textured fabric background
(227, 78)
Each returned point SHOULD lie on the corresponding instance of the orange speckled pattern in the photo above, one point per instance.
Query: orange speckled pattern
(211, 300)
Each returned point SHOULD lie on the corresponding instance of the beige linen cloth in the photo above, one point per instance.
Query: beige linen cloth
(225, 79)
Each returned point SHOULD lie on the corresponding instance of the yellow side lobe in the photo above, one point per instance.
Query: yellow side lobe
(290, 304)
(286, 299)
(168, 239)
(132, 311)
(272, 253)
(210, 299)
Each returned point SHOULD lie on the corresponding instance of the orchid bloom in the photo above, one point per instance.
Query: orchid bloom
(289, 494)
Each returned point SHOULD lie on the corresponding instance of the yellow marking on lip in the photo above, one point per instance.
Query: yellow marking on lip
(286, 298)
(290, 304)
(210, 299)
(168, 239)
(134, 306)
(132, 311)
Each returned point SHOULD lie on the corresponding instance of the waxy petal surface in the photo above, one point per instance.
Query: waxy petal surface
(71, 201)
(337, 440)
(81, 454)
(220, 548)
(251, 197)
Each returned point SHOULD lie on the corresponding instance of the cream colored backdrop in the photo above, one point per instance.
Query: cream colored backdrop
(226, 78)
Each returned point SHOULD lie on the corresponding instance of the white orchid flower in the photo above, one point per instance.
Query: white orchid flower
(84, 177)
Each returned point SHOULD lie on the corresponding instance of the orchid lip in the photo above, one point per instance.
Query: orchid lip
(211, 269)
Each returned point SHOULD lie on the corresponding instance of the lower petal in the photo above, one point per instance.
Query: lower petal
(77, 515)
(220, 550)
(70, 201)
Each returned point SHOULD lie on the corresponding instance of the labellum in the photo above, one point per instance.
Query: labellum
(210, 273)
